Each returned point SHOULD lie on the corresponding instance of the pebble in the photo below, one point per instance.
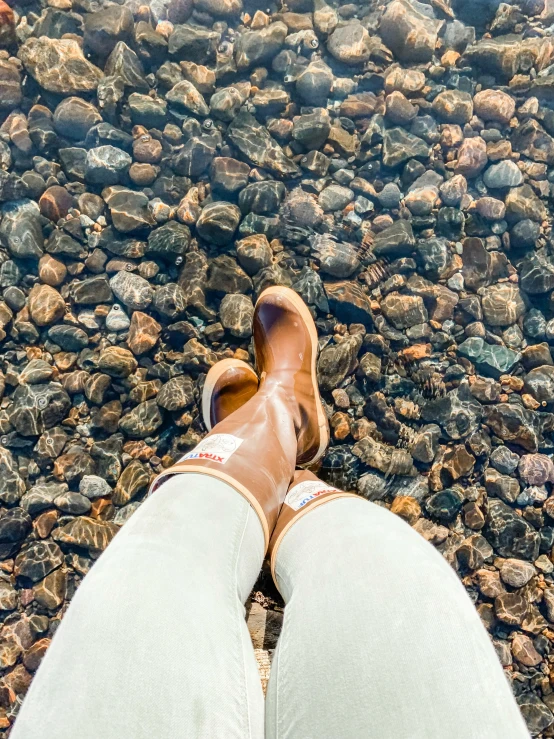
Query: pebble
(134, 291)
(350, 44)
(59, 66)
(502, 175)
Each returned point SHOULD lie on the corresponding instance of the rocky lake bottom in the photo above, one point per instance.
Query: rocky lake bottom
(162, 163)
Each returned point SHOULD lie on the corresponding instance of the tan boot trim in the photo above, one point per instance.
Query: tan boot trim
(327, 498)
(178, 469)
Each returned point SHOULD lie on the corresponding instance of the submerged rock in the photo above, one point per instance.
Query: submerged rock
(59, 66)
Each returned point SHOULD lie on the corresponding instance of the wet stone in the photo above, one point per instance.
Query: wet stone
(502, 304)
(8, 597)
(185, 97)
(128, 209)
(49, 593)
(218, 222)
(142, 421)
(453, 106)
(509, 534)
(229, 174)
(337, 361)
(399, 146)
(256, 144)
(312, 129)
(350, 44)
(117, 319)
(69, 338)
(516, 572)
(92, 487)
(20, 229)
(15, 524)
(539, 382)
(55, 203)
(404, 311)
(511, 608)
(124, 69)
(494, 105)
(144, 332)
(73, 504)
(445, 505)
(314, 83)
(536, 469)
(38, 407)
(46, 305)
(176, 394)
(86, 533)
(257, 47)
(134, 480)
(36, 561)
(472, 157)
(502, 175)
(59, 66)
(236, 313)
(106, 165)
(117, 362)
(132, 290)
(536, 714)
(335, 197)
(338, 259)
(170, 241)
(106, 27)
(262, 197)
(411, 35)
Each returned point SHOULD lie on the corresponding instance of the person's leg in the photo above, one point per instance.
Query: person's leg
(154, 643)
(379, 637)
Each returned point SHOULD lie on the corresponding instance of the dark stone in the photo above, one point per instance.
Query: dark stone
(15, 524)
(218, 222)
(38, 560)
(445, 505)
(169, 241)
(349, 303)
(509, 533)
(124, 65)
(227, 277)
(106, 27)
(262, 197)
(20, 229)
(395, 241)
(38, 407)
(193, 43)
(258, 147)
(399, 146)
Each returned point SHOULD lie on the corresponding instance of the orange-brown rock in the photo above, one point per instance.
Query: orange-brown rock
(407, 508)
(44, 523)
(55, 203)
(51, 271)
(7, 26)
(33, 656)
(46, 305)
(143, 333)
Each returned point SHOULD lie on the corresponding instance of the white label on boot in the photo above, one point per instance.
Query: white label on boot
(215, 448)
(300, 494)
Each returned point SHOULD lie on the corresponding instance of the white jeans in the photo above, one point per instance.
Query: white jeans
(379, 637)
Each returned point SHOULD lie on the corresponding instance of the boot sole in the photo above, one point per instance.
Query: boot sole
(213, 377)
(301, 307)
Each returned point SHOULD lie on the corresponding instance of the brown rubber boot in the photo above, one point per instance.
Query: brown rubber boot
(286, 355)
(229, 384)
(305, 493)
(255, 449)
